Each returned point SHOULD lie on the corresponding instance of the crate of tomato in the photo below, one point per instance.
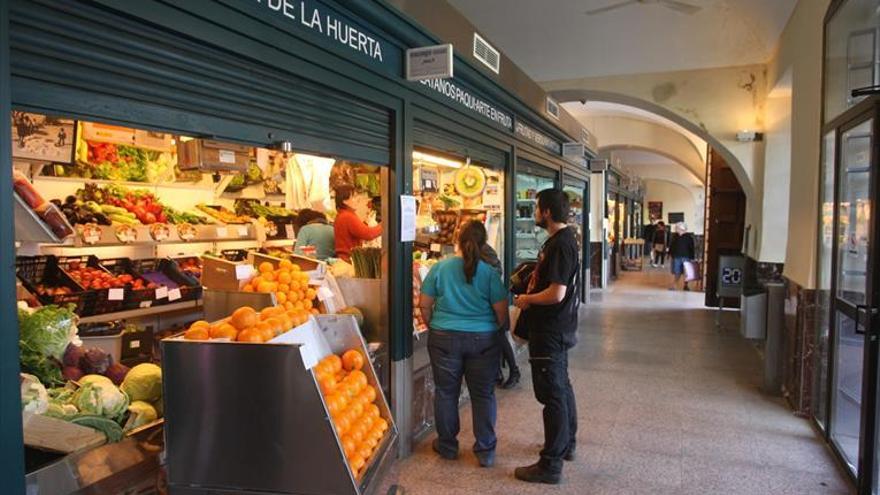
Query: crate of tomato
(180, 285)
(113, 283)
(43, 278)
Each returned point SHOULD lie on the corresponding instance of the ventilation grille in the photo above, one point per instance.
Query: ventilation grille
(484, 52)
(552, 108)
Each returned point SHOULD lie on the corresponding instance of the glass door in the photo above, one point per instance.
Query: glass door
(529, 237)
(578, 196)
(852, 293)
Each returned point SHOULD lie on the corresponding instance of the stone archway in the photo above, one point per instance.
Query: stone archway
(735, 164)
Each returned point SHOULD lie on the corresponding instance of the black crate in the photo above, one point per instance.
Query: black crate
(190, 287)
(34, 271)
(133, 297)
(235, 255)
(98, 301)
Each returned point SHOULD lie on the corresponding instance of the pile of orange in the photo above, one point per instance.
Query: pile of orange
(246, 325)
(350, 400)
(289, 284)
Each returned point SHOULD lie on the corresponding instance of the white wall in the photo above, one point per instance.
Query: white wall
(777, 176)
(675, 199)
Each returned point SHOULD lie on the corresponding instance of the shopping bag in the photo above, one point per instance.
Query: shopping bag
(690, 271)
(519, 332)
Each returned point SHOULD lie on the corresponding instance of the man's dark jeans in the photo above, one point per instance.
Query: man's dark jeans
(474, 356)
(548, 355)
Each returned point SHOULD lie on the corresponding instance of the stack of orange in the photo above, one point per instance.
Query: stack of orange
(351, 403)
(246, 325)
(289, 284)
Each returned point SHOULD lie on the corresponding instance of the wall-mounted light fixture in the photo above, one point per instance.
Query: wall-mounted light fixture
(436, 160)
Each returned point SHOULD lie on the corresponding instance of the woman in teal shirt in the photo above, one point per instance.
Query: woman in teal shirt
(311, 229)
(465, 304)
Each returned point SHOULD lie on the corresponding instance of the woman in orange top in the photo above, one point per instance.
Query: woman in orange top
(350, 231)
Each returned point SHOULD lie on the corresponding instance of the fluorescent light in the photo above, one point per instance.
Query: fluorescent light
(436, 160)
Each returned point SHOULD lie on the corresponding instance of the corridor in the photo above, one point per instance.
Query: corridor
(667, 403)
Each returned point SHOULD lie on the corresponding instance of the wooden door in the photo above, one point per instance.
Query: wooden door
(725, 222)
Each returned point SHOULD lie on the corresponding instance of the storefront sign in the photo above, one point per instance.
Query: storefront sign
(455, 91)
(730, 275)
(321, 20)
(538, 138)
(430, 62)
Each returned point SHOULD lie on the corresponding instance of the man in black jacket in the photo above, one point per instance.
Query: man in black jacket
(682, 251)
(550, 313)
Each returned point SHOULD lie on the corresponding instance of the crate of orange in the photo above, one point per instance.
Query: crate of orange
(298, 412)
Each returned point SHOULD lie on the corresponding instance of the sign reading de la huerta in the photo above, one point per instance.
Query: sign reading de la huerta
(322, 20)
(455, 92)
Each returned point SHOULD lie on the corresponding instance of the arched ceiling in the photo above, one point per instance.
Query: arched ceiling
(557, 40)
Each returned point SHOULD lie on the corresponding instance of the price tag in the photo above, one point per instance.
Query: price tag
(174, 294)
(243, 231)
(116, 294)
(91, 239)
(289, 230)
(436, 248)
(243, 272)
(227, 156)
(134, 344)
(324, 293)
(162, 292)
(222, 232)
(146, 304)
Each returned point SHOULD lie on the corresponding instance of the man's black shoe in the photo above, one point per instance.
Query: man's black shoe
(570, 454)
(536, 474)
(512, 380)
(436, 446)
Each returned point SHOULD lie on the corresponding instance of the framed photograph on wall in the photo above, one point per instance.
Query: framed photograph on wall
(655, 211)
(42, 137)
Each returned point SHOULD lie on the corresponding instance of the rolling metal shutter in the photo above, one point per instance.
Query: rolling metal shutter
(79, 59)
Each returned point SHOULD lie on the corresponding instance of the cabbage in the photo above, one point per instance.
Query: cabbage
(34, 397)
(94, 379)
(61, 411)
(143, 382)
(100, 399)
(140, 413)
(43, 337)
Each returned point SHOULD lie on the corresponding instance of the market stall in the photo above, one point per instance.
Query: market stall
(531, 178)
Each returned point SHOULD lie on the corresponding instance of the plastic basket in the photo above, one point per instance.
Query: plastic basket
(44, 270)
(190, 287)
(133, 297)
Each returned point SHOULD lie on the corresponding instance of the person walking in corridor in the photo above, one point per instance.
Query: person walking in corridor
(660, 241)
(683, 251)
(465, 304)
(550, 315)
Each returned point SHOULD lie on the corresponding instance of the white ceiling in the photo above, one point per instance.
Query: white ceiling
(555, 39)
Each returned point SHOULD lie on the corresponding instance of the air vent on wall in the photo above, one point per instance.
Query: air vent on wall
(486, 53)
(552, 108)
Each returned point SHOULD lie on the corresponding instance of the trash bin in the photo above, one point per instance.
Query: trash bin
(753, 314)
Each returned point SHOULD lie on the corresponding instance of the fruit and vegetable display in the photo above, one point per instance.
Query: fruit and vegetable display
(191, 265)
(447, 220)
(288, 282)
(247, 325)
(223, 214)
(253, 208)
(118, 204)
(351, 402)
(44, 334)
(118, 162)
(90, 277)
(96, 401)
(367, 262)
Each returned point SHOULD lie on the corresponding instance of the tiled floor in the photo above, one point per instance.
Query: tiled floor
(668, 404)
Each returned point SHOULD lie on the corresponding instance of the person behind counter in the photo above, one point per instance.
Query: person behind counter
(312, 229)
(350, 230)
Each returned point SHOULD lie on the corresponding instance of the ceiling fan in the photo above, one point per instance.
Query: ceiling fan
(676, 5)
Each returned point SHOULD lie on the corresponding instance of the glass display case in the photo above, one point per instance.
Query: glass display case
(529, 237)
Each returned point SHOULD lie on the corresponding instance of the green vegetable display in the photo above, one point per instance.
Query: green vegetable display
(43, 338)
(101, 399)
(106, 426)
(34, 397)
(143, 383)
(367, 262)
(140, 413)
